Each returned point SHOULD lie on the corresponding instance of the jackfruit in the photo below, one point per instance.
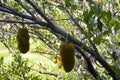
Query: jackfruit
(23, 40)
(67, 53)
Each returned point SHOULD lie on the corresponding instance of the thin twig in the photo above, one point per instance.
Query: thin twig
(15, 21)
(48, 73)
(7, 47)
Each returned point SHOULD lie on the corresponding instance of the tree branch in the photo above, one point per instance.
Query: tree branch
(25, 7)
(15, 21)
(10, 10)
(48, 73)
(89, 64)
(44, 40)
(7, 47)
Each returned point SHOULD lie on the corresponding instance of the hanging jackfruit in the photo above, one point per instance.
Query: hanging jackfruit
(23, 40)
(67, 53)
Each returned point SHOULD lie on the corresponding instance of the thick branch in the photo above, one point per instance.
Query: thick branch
(90, 66)
(20, 14)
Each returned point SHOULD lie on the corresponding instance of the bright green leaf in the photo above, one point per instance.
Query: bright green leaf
(113, 23)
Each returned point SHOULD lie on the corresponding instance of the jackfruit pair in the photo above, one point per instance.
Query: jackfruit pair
(23, 40)
(67, 53)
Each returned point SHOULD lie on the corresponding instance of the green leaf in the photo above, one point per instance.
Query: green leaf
(97, 40)
(99, 24)
(87, 15)
(106, 16)
(113, 23)
(90, 27)
(118, 43)
(91, 13)
(1, 60)
(118, 17)
(73, 7)
(116, 4)
(61, 7)
(95, 10)
(67, 3)
(5, 1)
(98, 78)
(0, 77)
(116, 69)
(107, 32)
(114, 56)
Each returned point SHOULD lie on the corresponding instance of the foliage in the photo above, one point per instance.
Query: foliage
(17, 69)
(93, 26)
